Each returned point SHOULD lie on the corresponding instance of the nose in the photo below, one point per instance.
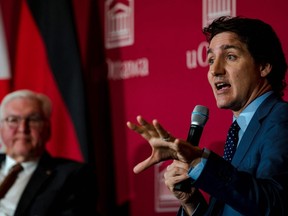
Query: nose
(217, 68)
(23, 125)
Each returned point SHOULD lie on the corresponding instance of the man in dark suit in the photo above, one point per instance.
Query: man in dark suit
(47, 185)
(247, 70)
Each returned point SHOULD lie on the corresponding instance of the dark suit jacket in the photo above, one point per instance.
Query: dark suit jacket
(256, 181)
(59, 187)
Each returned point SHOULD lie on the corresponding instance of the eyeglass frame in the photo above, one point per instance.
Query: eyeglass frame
(33, 120)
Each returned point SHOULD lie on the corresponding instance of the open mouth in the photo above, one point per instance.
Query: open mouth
(222, 85)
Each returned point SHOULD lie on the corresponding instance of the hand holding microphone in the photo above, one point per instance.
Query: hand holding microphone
(199, 117)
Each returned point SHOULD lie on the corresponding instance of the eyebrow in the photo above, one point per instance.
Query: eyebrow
(225, 47)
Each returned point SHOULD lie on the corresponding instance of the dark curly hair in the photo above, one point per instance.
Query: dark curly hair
(262, 43)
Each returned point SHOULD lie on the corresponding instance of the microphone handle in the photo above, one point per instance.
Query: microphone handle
(193, 138)
(194, 134)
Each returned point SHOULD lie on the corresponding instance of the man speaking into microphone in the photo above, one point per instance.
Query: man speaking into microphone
(247, 70)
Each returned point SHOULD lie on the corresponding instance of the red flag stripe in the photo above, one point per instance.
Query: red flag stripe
(33, 71)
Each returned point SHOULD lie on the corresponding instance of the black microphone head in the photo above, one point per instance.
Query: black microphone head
(199, 115)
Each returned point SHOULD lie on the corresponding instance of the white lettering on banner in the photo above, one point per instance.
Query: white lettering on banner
(126, 69)
(216, 8)
(197, 57)
(119, 24)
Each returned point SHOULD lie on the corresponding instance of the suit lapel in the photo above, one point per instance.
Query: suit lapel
(253, 128)
(38, 179)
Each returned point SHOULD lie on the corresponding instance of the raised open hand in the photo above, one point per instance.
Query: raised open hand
(164, 145)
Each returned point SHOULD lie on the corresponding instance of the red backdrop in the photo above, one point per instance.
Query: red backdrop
(167, 34)
(150, 55)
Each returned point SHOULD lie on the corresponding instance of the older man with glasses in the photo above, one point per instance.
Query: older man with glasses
(45, 185)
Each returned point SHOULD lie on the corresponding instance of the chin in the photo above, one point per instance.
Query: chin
(21, 150)
(222, 105)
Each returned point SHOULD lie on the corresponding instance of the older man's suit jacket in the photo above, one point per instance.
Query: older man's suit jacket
(256, 181)
(58, 187)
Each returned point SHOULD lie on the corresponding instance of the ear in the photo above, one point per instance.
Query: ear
(265, 69)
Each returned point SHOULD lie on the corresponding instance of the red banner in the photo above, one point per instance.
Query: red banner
(156, 56)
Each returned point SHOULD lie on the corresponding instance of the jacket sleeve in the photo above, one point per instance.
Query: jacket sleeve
(241, 190)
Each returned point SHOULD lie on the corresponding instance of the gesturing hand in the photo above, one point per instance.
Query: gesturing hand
(164, 145)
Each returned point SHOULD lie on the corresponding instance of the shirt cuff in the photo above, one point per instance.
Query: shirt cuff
(194, 172)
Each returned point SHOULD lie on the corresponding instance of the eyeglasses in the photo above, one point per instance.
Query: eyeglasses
(34, 121)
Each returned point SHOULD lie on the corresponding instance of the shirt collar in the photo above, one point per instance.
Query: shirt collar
(9, 162)
(246, 115)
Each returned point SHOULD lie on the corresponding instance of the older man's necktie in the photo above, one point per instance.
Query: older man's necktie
(10, 179)
(231, 141)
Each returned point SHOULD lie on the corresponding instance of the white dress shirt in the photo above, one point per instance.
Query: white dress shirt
(9, 202)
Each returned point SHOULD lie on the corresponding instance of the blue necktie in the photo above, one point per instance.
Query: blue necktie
(231, 141)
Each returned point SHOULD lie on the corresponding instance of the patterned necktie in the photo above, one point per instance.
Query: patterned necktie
(231, 141)
(10, 179)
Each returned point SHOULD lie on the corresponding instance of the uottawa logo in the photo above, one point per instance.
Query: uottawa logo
(216, 8)
(212, 9)
(119, 23)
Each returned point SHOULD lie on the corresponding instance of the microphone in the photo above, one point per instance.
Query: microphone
(199, 118)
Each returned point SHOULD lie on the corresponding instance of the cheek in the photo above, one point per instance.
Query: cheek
(247, 80)
(35, 136)
(209, 78)
(208, 74)
(6, 136)
(2, 131)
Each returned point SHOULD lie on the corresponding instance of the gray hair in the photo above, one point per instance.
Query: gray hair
(43, 100)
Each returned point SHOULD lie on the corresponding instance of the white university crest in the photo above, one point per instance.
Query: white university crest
(119, 23)
(213, 9)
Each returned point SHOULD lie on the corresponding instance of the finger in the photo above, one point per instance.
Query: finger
(140, 167)
(148, 127)
(180, 164)
(131, 126)
(139, 129)
(164, 134)
(141, 120)
(174, 176)
(176, 169)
